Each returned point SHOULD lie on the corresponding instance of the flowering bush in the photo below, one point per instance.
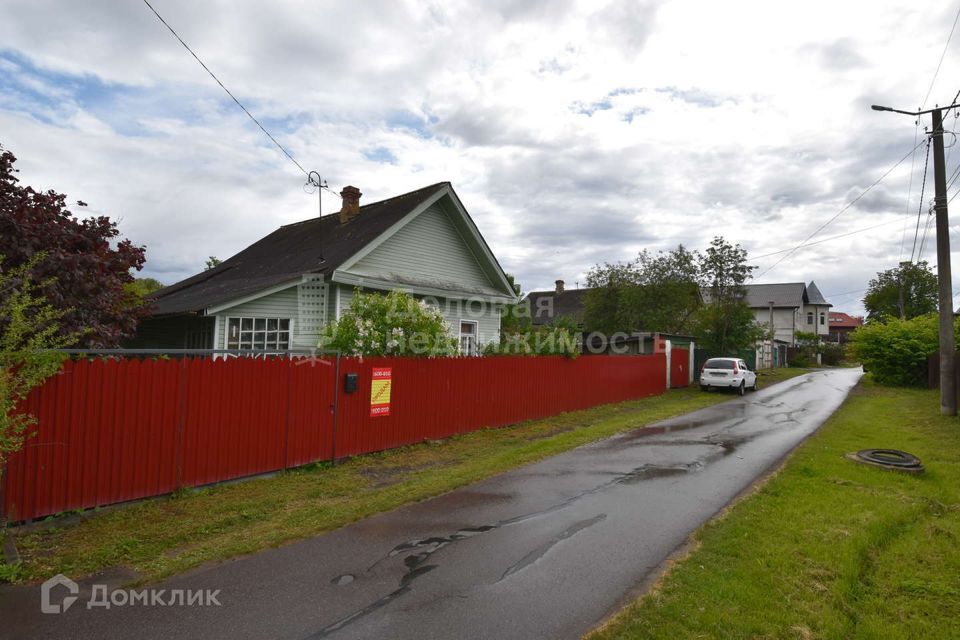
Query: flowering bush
(392, 324)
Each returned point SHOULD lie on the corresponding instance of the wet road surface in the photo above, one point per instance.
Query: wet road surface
(545, 551)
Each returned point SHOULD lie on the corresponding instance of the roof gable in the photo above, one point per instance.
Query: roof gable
(429, 249)
(319, 245)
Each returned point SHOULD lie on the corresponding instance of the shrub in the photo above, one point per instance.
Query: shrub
(896, 351)
(832, 354)
(391, 324)
(559, 337)
(30, 328)
(800, 360)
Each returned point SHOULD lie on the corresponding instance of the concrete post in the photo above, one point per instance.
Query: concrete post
(693, 362)
(667, 349)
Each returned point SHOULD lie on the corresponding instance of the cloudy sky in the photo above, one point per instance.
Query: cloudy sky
(574, 132)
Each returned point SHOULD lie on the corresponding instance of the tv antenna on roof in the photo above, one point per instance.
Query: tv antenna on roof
(315, 182)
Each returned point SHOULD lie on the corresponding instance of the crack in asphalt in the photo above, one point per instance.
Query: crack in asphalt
(420, 550)
(429, 546)
(542, 550)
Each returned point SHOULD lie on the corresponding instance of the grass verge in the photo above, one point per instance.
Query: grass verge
(828, 548)
(162, 537)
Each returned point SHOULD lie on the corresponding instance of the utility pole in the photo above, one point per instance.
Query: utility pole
(948, 383)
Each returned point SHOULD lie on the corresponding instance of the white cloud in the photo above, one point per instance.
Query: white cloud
(575, 132)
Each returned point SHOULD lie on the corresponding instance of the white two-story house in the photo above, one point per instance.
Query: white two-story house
(787, 308)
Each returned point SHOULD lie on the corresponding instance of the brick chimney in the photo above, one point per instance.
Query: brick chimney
(559, 289)
(351, 203)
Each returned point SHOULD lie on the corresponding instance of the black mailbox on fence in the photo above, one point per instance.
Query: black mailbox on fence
(350, 382)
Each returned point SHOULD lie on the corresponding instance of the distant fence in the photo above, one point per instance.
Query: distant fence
(122, 429)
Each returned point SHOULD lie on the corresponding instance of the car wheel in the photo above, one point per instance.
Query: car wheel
(741, 389)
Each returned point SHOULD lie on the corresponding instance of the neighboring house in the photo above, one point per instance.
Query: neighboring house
(842, 325)
(790, 307)
(546, 306)
(787, 308)
(278, 293)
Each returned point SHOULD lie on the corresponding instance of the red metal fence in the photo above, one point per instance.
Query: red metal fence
(115, 430)
(679, 368)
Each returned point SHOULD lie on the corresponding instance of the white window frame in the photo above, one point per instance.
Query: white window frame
(475, 335)
(811, 317)
(274, 347)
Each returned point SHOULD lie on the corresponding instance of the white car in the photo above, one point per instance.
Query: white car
(730, 373)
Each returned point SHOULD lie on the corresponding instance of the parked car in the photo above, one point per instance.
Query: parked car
(731, 373)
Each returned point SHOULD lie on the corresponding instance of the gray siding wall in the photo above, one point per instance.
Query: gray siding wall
(282, 304)
(428, 248)
(486, 315)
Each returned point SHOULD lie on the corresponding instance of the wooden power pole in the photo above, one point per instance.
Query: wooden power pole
(948, 381)
(948, 384)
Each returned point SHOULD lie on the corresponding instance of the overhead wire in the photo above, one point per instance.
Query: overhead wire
(913, 159)
(830, 239)
(840, 212)
(233, 97)
(923, 185)
(926, 227)
(940, 62)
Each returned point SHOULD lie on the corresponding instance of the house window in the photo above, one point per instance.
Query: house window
(267, 334)
(468, 338)
(823, 319)
(809, 317)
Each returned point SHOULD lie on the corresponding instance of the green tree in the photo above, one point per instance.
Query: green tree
(31, 327)
(142, 287)
(391, 324)
(212, 262)
(727, 324)
(514, 318)
(904, 292)
(654, 292)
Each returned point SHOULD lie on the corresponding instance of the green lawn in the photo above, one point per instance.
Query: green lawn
(161, 537)
(828, 548)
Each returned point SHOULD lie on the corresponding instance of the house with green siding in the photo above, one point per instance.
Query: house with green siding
(277, 294)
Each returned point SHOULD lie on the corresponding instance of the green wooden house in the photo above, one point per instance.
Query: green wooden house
(277, 294)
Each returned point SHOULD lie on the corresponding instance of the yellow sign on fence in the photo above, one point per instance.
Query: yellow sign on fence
(380, 392)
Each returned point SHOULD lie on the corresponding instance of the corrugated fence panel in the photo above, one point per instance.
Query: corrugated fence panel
(679, 368)
(113, 430)
(437, 398)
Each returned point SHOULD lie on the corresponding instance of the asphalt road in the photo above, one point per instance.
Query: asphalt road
(545, 551)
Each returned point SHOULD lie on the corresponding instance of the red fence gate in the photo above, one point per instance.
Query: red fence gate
(115, 430)
(679, 368)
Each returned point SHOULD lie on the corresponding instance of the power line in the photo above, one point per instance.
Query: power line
(923, 185)
(212, 75)
(913, 159)
(839, 213)
(831, 238)
(926, 227)
(942, 55)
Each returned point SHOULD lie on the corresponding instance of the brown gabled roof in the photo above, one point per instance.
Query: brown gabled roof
(288, 253)
(568, 304)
